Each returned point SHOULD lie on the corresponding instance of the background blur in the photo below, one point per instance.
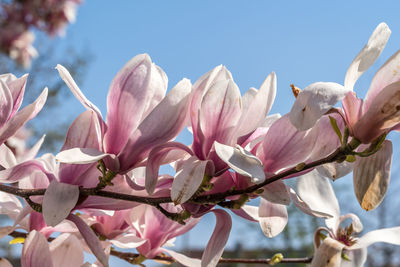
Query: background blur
(302, 42)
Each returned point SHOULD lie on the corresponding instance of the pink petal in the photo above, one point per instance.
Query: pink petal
(81, 155)
(276, 192)
(352, 107)
(188, 180)
(284, 146)
(272, 218)
(367, 56)
(387, 74)
(7, 158)
(59, 200)
(219, 114)
(382, 115)
(22, 117)
(371, 177)
(158, 157)
(31, 153)
(128, 241)
(130, 95)
(200, 88)
(24, 170)
(91, 239)
(313, 102)
(6, 103)
(216, 244)
(36, 251)
(66, 76)
(247, 212)
(164, 123)
(241, 161)
(17, 89)
(256, 105)
(5, 263)
(66, 250)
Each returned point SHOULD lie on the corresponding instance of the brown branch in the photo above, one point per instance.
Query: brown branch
(131, 257)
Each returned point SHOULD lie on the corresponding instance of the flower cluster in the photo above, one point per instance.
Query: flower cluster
(104, 189)
(18, 17)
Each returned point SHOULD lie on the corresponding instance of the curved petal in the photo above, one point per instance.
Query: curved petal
(163, 124)
(335, 170)
(318, 193)
(182, 259)
(284, 146)
(128, 241)
(301, 205)
(130, 92)
(371, 177)
(66, 250)
(276, 192)
(36, 251)
(22, 117)
(313, 102)
(157, 157)
(188, 180)
(17, 89)
(216, 244)
(5, 263)
(81, 155)
(7, 157)
(247, 212)
(353, 109)
(367, 56)
(387, 235)
(387, 74)
(66, 76)
(91, 239)
(256, 105)
(6, 103)
(58, 201)
(272, 218)
(329, 254)
(241, 161)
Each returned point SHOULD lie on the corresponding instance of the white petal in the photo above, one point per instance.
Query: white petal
(276, 192)
(272, 217)
(81, 155)
(301, 205)
(313, 102)
(128, 241)
(386, 235)
(367, 55)
(241, 161)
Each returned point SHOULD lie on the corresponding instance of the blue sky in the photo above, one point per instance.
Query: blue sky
(302, 41)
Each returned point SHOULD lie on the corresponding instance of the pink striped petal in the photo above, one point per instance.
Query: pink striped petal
(164, 123)
(367, 56)
(200, 88)
(158, 157)
(219, 114)
(6, 103)
(382, 115)
(24, 170)
(216, 244)
(352, 106)
(188, 180)
(313, 102)
(17, 89)
(272, 218)
(284, 146)
(256, 105)
(7, 158)
(371, 177)
(35, 252)
(66, 250)
(59, 200)
(91, 239)
(22, 117)
(131, 92)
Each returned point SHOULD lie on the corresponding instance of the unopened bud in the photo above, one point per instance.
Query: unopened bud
(277, 258)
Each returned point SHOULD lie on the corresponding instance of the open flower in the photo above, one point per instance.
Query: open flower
(340, 242)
